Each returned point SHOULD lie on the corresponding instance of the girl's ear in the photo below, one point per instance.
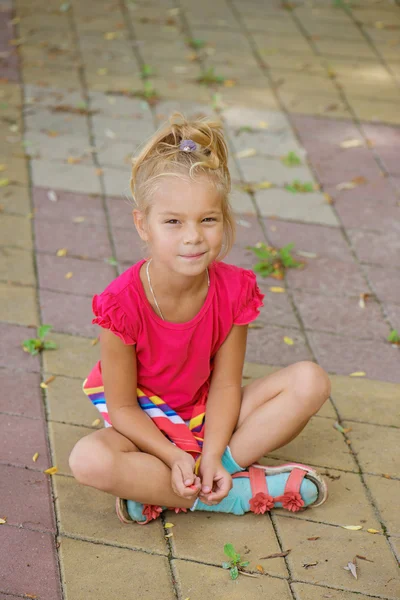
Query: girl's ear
(141, 224)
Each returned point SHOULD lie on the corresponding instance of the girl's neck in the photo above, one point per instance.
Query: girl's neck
(174, 285)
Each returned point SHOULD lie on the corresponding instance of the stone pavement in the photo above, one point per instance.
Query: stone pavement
(318, 78)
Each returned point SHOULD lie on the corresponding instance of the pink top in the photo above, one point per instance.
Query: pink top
(175, 360)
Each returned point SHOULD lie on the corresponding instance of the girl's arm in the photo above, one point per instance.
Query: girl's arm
(118, 364)
(225, 393)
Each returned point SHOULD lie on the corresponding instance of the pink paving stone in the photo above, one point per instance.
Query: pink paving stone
(79, 239)
(68, 313)
(29, 564)
(9, 63)
(21, 394)
(380, 191)
(11, 353)
(68, 206)
(277, 309)
(338, 314)
(344, 355)
(20, 439)
(386, 140)
(266, 346)
(393, 312)
(377, 248)
(345, 166)
(331, 277)
(363, 213)
(128, 245)
(120, 211)
(26, 498)
(385, 282)
(89, 276)
(317, 239)
(319, 131)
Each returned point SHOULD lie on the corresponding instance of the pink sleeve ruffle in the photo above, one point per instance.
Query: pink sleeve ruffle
(110, 315)
(250, 301)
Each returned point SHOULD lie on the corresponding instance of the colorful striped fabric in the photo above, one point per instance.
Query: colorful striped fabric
(187, 437)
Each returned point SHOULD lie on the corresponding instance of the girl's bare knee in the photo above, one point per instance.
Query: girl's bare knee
(91, 462)
(312, 385)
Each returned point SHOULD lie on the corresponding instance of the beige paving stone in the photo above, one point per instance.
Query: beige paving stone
(370, 110)
(386, 493)
(309, 207)
(248, 98)
(359, 399)
(18, 304)
(68, 404)
(241, 203)
(105, 572)
(311, 102)
(16, 265)
(74, 357)
(284, 64)
(298, 83)
(10, 93)
(63, 438)
(351, 47)
(295, 44)
(15, 199)
(112, 82)
(84, 512)
(377, 447)
(251, 535)
(52, 77)
(186, 91)
(395, 544)
(333, 550)
(303, 591)
(16, 231)
(372, 89)
(320, 445)
(16, 167)
(202, 581)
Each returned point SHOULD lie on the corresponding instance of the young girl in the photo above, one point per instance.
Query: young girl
(180, 431)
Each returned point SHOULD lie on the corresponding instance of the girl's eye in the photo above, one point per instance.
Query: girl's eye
(209, 219)
(172, 221)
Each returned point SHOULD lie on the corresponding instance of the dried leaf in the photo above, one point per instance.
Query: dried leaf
(35, 456)
(68, 275)
(352, 527)
(73, 160)
(52, 196)
(51, 471)
(264, 185)
(363, 298)
(62, 252)
(263, 124)
(4, 182)
(169, 525)
(387, 476)
(373, 531)
(363, 558)
(247, 574)
(276, 555)
(99, 172)
(78, 219)
(94, 342)
(255, 326)
(50, 379)
(353, 143)
(306, 254)
(110, 35)
(260, 568)
(277, 290)
(96, 422)
(288, 341)
(2, 521)
(312, 539)
(352, 567)
(358, 374)
(328, 198)
(246, 153)
(43, 385)
(349, 185)
(307, 565)
(168, 535)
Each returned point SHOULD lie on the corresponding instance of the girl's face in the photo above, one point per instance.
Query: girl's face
(184, 227)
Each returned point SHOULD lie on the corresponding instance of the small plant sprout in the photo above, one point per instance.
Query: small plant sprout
(394, 337)
(209, 77)
(291, 159)
(274, 261)
(146, 71)
(297, 186)
(196, 43)
(235, 564)
(36, 345)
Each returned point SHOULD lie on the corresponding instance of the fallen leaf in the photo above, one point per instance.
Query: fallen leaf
(96, 422)
(373, 531)
(52, 196)
(35, 456)
(352, 567)
(50, 379)
(312, 539)
(168, 535)
(353, 143)
(264, 185)
(306, 254)
(363, 298)
(276, 555)
(30, 596)
(102, 71)
(110, 35)
(62, 252)
(68, 275)
(263, 124)
(99, 172)
(387, 476)
(169, 525)
(51, 132)
(4, 182)
(288, 341)
(277, 290)
(260, 568)
(3, 168)
(51, 471)
(43, 385)
(363, 558)
(94, 342)
(358, 374)
(352, 527)
(2, 521)
(246, 153)
(328, 198)
(307, 565)
(255, 326)
(78, 219)
(349, 185)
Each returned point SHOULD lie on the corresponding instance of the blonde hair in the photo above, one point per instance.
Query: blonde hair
(161, 156)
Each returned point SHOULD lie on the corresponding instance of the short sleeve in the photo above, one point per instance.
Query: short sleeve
(110, 315)
(250, 299)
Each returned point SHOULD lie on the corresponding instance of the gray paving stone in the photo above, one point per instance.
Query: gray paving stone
(116, 181)
(116, 106)
(50, 96)
(328, 276)
(267, 346)
(68, 206)
(259, 168)
(134, 130)
(114, 153)
(276, 142)
(308, 207)
(40, 145)
(47, 120)
(243, 116)
(76, 178)
(377, 248)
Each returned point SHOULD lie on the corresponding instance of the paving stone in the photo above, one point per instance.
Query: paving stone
(319, 444)
(386, 141)
(385, 493)
(15, 199)
(309, 237)
(118, 106)
(274, 143)
(242, 116)
(345, 165)
(77, 519)
(247, 532)
(134, 130)
(366, 400)
(50, 75)
(29, 563)
(18, 304)
(328, 105)
(83, 575)
(266, 345)
(204, 580)
(80, 239)
(371, 110)
(277, 309)
(241, 203)
(190, 109)
(377, 248)
(11, 353)
(63, 438)
(363, 214)
(321, 131)
(75, 178)
(16, 167)
(37, 95)
(328, 276)
(332, 551)
(342, 315)
(55, 305)
(75, 356)
(116, 181)
(394, 315)
(68, 206)
(315, 592)
(295, 45)
(307, 207)
(113, 153)
(22, 507)
(344, 355)
(21, 394)
(395, 544)
(21, 438)
(48, 120)
(128, 245)
(380, 192)
(89, 276)
(376, 447)
(260, 168)
(67, 403)
(385, 282)
(73, 146)
(16, 231)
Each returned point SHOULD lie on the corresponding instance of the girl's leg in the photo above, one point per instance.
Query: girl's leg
(276, 408)
(108, 461)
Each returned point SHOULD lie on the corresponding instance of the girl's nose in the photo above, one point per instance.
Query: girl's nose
(192, 235)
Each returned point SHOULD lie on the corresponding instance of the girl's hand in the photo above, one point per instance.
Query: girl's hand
(215, 480)
(183, 480)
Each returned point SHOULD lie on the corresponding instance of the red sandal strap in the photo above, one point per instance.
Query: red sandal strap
(291, 498)
(261, 501)
(258, 481)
